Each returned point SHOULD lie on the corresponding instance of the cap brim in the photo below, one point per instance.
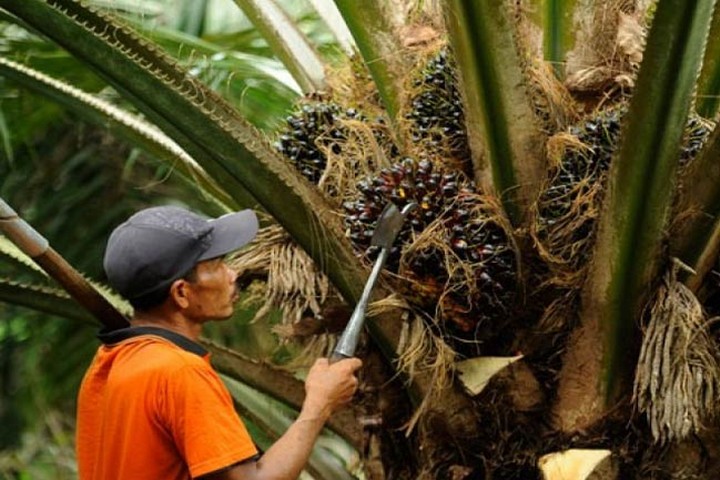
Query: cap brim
(231, 232)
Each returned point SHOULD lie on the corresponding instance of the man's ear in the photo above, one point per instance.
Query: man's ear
(179, 293)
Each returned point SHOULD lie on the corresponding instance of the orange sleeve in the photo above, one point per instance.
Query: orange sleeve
(205, 427)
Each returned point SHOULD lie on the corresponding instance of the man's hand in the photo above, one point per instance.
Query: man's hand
(328, 387)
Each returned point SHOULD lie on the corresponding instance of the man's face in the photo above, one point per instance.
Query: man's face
(212, 291)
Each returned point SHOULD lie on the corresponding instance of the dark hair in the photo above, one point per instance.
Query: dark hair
(154, 299)
(150, 300)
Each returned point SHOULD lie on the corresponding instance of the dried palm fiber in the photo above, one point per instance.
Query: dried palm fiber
(331, 146)
(293, 283)
(350, 83)
(426, 12)
(455, 257)
(678, 375)
(608, 47)
(553, 105)
(420, 352)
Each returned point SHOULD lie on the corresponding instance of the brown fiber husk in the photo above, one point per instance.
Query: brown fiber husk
(678, 376)
(292, 280)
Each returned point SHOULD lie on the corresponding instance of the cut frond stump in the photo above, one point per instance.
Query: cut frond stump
(578, 464)
(475, 373)
(677, 380)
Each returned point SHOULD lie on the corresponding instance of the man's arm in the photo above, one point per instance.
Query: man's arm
(327, 388)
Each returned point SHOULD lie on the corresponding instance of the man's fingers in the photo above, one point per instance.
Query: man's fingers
(322, 361)
(351, 364)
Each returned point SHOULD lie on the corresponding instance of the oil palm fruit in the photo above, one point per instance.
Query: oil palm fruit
(565, 216)
(569, 204)
(307, 132)
(454, 251)
(404, 182)
(436, 112)
(319, 129)
(696, 134)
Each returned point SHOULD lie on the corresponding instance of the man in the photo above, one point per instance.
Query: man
(150, 406)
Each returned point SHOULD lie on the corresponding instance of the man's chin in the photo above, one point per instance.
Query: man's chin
(222, 318)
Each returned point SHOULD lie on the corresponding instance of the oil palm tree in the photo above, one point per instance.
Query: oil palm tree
(544, 302)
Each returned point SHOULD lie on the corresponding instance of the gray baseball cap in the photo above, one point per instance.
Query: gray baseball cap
(159, 245)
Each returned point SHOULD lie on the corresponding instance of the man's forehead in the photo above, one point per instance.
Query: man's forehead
(211, 263)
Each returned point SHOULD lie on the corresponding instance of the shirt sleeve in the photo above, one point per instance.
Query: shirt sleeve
(204, 425)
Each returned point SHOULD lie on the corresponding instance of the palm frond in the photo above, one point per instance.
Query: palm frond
(504, 136)
(333, 19)
(241, 159)
(288, 42)
(708, 102)
(124, 124)
(373, 27)
(9, 249)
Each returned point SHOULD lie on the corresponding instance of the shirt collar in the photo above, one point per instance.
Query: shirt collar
(116, 336)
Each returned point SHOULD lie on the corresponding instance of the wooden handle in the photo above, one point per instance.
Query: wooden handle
(37, 247)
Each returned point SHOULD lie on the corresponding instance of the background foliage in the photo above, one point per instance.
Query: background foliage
(74, 182)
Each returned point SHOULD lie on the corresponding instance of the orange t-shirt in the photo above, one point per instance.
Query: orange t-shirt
(151, 407)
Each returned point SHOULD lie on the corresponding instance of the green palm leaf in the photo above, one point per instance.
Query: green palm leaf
(372, 26)
(122, 123)
(708, 103)
(333, 19)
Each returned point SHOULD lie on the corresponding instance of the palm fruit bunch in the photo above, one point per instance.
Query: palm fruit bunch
(403, 182)
(696, 134)
(307, 132)
(436, 111)
(583, 166)
(318, 129)
(568, 206)
(453, 252)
